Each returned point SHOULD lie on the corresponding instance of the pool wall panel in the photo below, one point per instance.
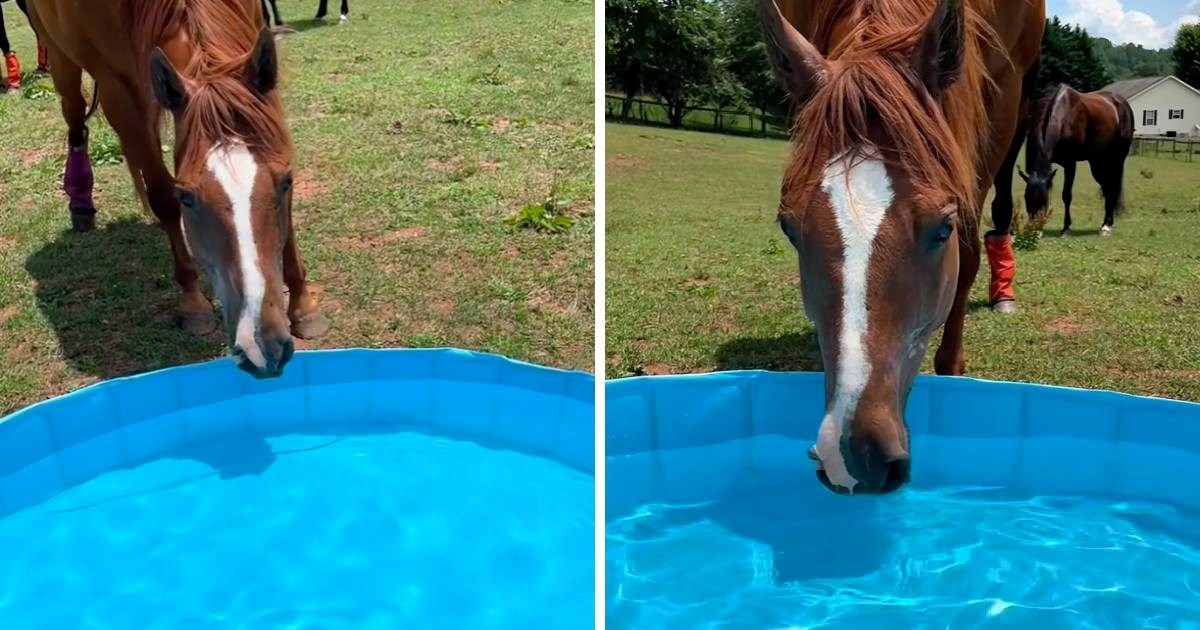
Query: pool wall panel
(125, 422)
(1034, 439)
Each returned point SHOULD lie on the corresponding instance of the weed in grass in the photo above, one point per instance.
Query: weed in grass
(543, 217)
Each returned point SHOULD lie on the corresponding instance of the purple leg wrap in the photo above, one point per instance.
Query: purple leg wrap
(77, 181)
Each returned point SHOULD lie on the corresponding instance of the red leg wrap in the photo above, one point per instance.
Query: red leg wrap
(1003, 264)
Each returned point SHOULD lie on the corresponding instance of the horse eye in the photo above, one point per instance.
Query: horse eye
(186, 197)
(944, 230)
(285, 185)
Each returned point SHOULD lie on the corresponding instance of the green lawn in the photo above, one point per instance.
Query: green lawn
(419, 128)
(700, 278)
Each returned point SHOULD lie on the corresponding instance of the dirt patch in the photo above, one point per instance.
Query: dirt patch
(33, 156)
(657, 369)
(371, 241)
(443, 306)
(8, 312)
(512, 251)
(500, 125)
(489, 165)
(5, 242)
(443, 165)
(307, 186)
(618, 162)
(1065, 325)
(541, 300)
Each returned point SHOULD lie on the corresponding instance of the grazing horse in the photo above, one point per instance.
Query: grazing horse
(214, 68)
(1069, 127)
(907, 111)
(322, 11)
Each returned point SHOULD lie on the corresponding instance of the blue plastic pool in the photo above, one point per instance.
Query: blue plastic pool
(1030, 507)
(363, 489)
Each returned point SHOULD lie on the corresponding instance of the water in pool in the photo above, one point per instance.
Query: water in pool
(382, 531)
(772, 549)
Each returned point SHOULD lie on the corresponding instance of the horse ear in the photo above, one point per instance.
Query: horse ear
(939, 53)
(797, 63)
(168, 87)
(1022, 174)
(263, 71)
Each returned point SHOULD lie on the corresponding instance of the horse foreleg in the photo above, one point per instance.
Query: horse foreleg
(345, 10)
(77, 177)
(1068, 182)
(1112, 193)
(322, 8)
(141, 146)
(306, 318)
(950, 357)
(998, 241)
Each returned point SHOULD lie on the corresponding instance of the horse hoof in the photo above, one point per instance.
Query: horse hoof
(201, 323)
(1105, 230)
(1005, 307)
(1065, 233)
(83, 222)
(343, 19)
(311, 326)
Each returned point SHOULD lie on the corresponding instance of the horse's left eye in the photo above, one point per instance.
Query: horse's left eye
(285, 186)
(944, 231)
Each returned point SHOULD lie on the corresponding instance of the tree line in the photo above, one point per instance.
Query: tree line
(709, 53)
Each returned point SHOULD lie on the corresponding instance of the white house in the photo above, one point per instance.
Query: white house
(1162, 106)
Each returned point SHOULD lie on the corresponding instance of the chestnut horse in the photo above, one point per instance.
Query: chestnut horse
(211, 65)
(1068, 127)
(907, 112)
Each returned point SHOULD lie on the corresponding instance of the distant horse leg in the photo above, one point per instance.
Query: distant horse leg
(322, 8)
(1114, 174)
(306, 318)
(43, 62)
(77, 177)
(141, 146)
(345, 10)
(1068, 182)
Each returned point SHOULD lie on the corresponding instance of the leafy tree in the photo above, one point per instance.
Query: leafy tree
(629, 32)
(1187, 54)
(1130, 61)
(747, 58)
(687, 44)
(1069, 56)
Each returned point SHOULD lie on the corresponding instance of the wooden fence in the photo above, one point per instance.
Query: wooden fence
(737, 122)
(1186, 149)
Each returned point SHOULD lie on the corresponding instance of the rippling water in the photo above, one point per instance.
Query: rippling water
(383, 531)
(772, 551)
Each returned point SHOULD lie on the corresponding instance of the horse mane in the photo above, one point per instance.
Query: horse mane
(221, 104)
(1042, 134)
(872, 88)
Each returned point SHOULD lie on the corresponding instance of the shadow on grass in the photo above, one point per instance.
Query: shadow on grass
(299, 26)
(790, 352)
(110, 297)
(1057, 232)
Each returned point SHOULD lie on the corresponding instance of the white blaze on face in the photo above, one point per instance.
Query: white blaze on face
(234, 168)
(860, 193)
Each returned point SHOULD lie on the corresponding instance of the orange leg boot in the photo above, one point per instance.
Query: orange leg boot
(43, 60)
(13, 68)
(1004, 268)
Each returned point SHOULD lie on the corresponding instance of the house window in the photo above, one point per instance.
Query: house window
(1150, 117)
(1175, 114)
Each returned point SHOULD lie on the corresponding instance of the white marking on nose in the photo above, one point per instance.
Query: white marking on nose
(860, 193)
(233, 166)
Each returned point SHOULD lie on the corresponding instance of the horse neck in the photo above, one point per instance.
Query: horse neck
(1047, 132)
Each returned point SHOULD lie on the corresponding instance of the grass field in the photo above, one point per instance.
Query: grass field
(698, 276)
(419, 128)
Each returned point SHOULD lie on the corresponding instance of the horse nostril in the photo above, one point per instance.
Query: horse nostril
(897, 474)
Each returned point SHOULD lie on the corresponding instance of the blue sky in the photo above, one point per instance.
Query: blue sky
(1151, 23)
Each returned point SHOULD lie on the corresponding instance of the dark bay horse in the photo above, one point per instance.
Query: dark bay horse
(907, 111)
(211, 65)
(1068, 127)
(322, 11)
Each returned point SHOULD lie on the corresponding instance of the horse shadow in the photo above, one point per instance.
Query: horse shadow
(110, 297)
(789, 352)
(300, 26)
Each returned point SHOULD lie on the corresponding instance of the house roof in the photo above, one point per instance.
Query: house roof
(1130, 88)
